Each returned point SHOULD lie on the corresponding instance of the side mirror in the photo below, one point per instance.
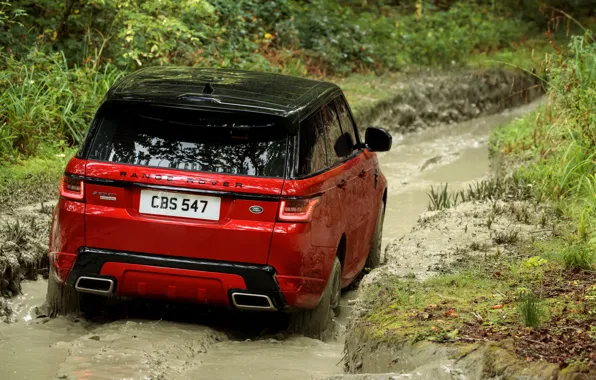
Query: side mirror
(378, 139)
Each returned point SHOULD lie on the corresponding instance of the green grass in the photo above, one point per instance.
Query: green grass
(45, 102)
(496, 293)
(531, 311)
(579, 255)
(438, 308)
(558, 144)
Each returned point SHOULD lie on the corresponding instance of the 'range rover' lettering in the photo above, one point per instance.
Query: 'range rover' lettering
(169, 178)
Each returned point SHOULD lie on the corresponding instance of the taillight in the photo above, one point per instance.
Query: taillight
(72, 188)
(297, 210)
(62, 263)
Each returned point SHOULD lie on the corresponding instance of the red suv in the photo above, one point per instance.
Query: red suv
(222, 187)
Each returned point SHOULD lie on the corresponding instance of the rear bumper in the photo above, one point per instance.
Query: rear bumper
(176, 278)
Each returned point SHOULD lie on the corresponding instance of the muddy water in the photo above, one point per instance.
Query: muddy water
(453, 154)
(158, 345)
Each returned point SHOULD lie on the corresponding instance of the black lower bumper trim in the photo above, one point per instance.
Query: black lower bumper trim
(258, 278)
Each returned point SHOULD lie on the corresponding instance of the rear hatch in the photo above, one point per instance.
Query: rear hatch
(188, 183)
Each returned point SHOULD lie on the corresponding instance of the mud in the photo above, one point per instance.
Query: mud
(428, 99)
(165, 341)
(436, 244)
(24, 235)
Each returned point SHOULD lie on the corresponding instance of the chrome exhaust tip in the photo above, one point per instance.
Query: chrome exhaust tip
(247, 301)
(95, 285)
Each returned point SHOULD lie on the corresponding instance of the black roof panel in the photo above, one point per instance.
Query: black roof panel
(236, 90)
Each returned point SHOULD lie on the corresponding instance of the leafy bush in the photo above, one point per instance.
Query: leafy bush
(9, 14)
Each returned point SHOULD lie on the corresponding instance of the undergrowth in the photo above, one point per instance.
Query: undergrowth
(558, 144)
(58, 58)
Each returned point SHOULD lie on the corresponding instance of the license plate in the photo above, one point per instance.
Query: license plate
(179, 204)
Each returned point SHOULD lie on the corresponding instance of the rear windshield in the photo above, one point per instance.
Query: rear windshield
(191, 140)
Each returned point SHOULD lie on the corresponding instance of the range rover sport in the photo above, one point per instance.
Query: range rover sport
(228, 188)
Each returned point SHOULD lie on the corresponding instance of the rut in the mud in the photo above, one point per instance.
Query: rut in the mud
(165, 342)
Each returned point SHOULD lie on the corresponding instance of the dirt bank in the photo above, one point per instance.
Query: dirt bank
(477, 259)
(428, 99)
(23, 249)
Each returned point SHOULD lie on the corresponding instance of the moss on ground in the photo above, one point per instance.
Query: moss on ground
(484, 302)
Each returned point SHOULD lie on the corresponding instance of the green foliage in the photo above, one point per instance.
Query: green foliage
(579, 255)
(560, 138)
(440, 198)
(391, 40)
(531, 311)
(324, 34)
(9, 14)
(60, 57)
(46, 101)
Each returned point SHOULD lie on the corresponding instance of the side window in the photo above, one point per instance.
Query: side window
(311, 150)
(337, 144)
(347, 124)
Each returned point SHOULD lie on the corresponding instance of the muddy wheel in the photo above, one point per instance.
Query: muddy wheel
(63, 300)
(374, 255)
(313, 323)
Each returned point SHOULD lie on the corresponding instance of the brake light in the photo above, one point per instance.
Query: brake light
(63, 263)
(72, 188)
(298, 210)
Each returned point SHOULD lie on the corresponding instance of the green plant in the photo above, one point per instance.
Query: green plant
(42, 100)
(579, 255)
(506, 237)
(10, 14)
(489, 221)
(439, 198)
(582, 227)
(532, 313)
(16, 232)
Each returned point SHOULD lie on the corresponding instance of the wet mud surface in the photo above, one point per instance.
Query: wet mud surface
(175, 342)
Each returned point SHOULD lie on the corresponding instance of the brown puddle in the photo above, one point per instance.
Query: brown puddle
(139, 348)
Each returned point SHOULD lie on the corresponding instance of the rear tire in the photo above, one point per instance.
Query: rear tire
(313, 323)
(374, 255)
(63, 300)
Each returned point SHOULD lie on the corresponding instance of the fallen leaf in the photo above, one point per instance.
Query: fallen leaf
(435, 328)
(451, 313)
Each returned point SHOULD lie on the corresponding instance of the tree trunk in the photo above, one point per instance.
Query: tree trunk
(63, 27)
